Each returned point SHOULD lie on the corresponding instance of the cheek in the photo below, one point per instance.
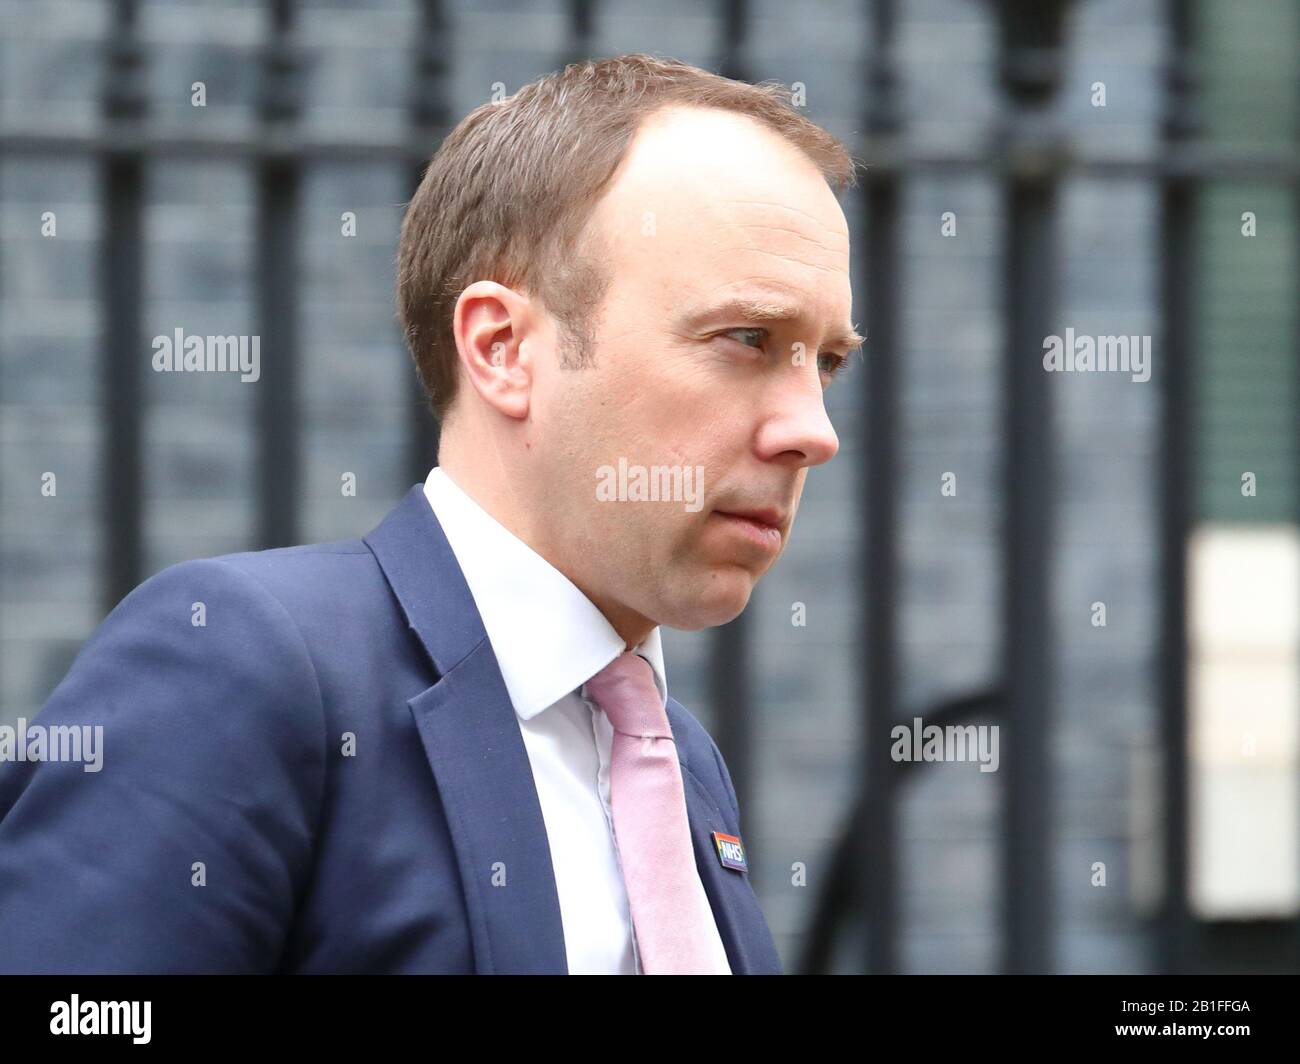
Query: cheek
(667, 410)
(652, 405)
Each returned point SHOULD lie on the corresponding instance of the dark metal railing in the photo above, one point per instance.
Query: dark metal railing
(878, 512)
(121, 285)
(1175, 929)
(1028, 156)
(1030, 56)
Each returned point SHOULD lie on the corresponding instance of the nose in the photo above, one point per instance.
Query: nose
(799, 433)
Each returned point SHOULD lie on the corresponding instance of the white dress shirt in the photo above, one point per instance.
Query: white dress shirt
(549, 640)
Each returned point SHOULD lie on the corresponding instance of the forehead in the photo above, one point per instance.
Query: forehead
(710, 199)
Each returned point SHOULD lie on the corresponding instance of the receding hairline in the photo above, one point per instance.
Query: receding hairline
(591, 238)
(468, 221)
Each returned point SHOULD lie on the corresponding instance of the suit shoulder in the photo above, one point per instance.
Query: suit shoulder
(196, 619)
(311, 579)
(199, 701)
(302, 562)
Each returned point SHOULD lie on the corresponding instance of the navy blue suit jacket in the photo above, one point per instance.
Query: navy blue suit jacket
(224, 762)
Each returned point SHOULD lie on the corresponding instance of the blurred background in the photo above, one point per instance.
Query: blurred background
(1105, 568)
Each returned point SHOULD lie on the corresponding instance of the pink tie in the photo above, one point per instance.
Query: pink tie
(670, 914)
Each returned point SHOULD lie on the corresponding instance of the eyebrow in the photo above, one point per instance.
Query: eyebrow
(768, 310)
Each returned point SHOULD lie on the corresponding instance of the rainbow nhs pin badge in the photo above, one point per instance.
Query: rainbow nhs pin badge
(731, 851)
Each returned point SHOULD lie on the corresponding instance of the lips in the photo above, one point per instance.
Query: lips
(759, 528)
(767, 516)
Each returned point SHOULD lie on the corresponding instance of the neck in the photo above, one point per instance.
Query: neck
(631, 627)
(499, 500)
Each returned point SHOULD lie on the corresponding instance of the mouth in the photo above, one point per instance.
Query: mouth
(760, 527)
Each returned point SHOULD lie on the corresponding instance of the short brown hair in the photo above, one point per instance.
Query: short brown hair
(508, 193)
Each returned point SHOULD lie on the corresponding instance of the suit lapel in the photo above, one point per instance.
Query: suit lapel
(471, 738)
(736, 911)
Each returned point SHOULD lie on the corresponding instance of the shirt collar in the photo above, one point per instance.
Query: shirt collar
(548, 637)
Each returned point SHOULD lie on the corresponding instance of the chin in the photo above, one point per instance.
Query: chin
(723, 600)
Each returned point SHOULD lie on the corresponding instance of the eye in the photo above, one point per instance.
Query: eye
(830, 363)
(761, 334)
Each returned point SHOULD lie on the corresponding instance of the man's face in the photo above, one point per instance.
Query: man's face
(708, 210)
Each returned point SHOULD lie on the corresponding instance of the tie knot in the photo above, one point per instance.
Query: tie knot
(625, 689)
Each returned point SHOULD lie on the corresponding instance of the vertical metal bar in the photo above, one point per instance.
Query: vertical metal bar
(4, 715)
(279, 181)
(122, 183)
(729, 683)
(1295, 404)
(1026, 636)
(878, 597)
(1174, 927)
(582, 26)
(429, 121)
(1030, 61)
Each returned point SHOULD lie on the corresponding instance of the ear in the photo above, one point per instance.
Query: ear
(490, 324)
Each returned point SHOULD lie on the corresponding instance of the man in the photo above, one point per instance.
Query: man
(448, 746)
